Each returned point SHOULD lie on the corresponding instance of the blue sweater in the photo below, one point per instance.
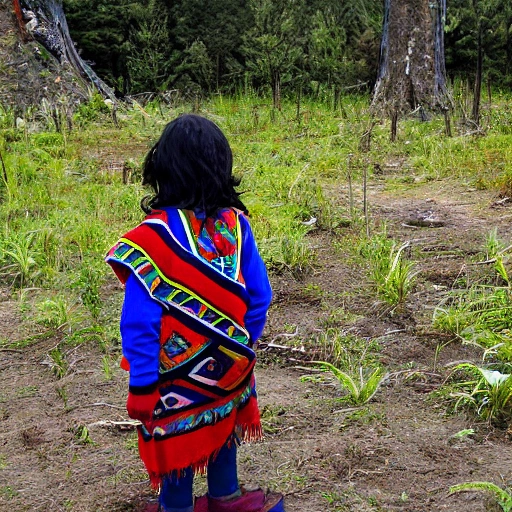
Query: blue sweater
(141, 315)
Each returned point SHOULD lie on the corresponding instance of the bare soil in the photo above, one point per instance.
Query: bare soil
(64, 446)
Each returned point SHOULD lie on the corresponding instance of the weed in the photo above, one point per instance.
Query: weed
(8, 492)
(393, 276)
(463, 434)
(346, 350)
(85, 334)
(20, 256)
(488, 393)
(479, 316)
(503, 496)
(399, 279)
(55, 313)
(497, 254)
(361, 388)
(132, 441)
(93, 110)
(82, 435)
(63, 394)
(68, 504)
(27, 391)
(271, 418)
(332, 498)
(106, 365)
(58, 362)
(88, 284)
(289, 252)
(361, 416)
(337, 317)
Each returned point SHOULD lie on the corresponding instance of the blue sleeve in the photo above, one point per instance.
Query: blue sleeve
(256, 282)
(140, 333)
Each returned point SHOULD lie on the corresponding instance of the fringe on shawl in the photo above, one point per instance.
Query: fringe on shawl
(242, 425)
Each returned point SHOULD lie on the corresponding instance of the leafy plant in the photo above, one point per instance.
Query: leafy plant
(289, 252)
(345, 350)
(360, 388)
(462, 434)
(88, 284)
(503, 496)
(20, 253)
(480, 316)
(497, 254)
(58, 362)
(393, 275)
(55, 313)
(82, 435)
(488, 393)
(400, 277)
(106, 364)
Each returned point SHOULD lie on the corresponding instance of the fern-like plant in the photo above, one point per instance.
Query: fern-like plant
(503, 496)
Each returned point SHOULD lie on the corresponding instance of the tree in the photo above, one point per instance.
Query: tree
(412, 67)
(343, 44)
(275, 44)
(479, 37)
(219, 25)
(148, 63)
(327, 46)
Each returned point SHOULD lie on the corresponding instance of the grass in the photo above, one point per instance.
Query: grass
(485, 391)
(480, 315)
(351, 361)
(64, 203)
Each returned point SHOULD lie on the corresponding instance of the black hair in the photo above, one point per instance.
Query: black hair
(191, 167)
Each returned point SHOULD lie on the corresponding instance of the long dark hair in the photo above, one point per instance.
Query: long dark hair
(191, 167)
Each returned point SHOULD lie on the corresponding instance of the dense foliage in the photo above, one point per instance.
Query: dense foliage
(480, 26)
(149, 45)
(311, 45)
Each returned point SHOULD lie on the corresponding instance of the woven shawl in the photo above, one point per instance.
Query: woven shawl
(206, 383)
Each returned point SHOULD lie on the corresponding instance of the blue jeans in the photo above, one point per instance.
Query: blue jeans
(222, 477)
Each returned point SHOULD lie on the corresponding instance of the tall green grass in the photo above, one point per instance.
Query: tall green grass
(64, 203)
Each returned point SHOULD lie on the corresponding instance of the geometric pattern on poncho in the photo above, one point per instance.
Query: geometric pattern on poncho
(174, 294)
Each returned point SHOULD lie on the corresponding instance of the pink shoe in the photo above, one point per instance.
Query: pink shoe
(151, 507)
(250, 501)
(201, 504)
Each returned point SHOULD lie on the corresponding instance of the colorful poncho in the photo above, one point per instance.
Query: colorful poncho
(204, 364)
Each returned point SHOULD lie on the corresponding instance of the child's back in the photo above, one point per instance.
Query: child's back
(196, 299)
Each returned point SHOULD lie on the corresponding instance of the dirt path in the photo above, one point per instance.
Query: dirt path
(398, 453)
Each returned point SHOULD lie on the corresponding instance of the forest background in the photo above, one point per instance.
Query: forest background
(311, 46)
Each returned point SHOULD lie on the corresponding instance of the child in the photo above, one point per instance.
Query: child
(196, 299)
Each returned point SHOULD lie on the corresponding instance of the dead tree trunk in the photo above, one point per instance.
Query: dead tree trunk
(19, 18)
(47, 23)
(39, 62)
(412, 67)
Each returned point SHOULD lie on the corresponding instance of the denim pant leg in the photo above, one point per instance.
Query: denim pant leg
(222, 472)
(176, 493)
